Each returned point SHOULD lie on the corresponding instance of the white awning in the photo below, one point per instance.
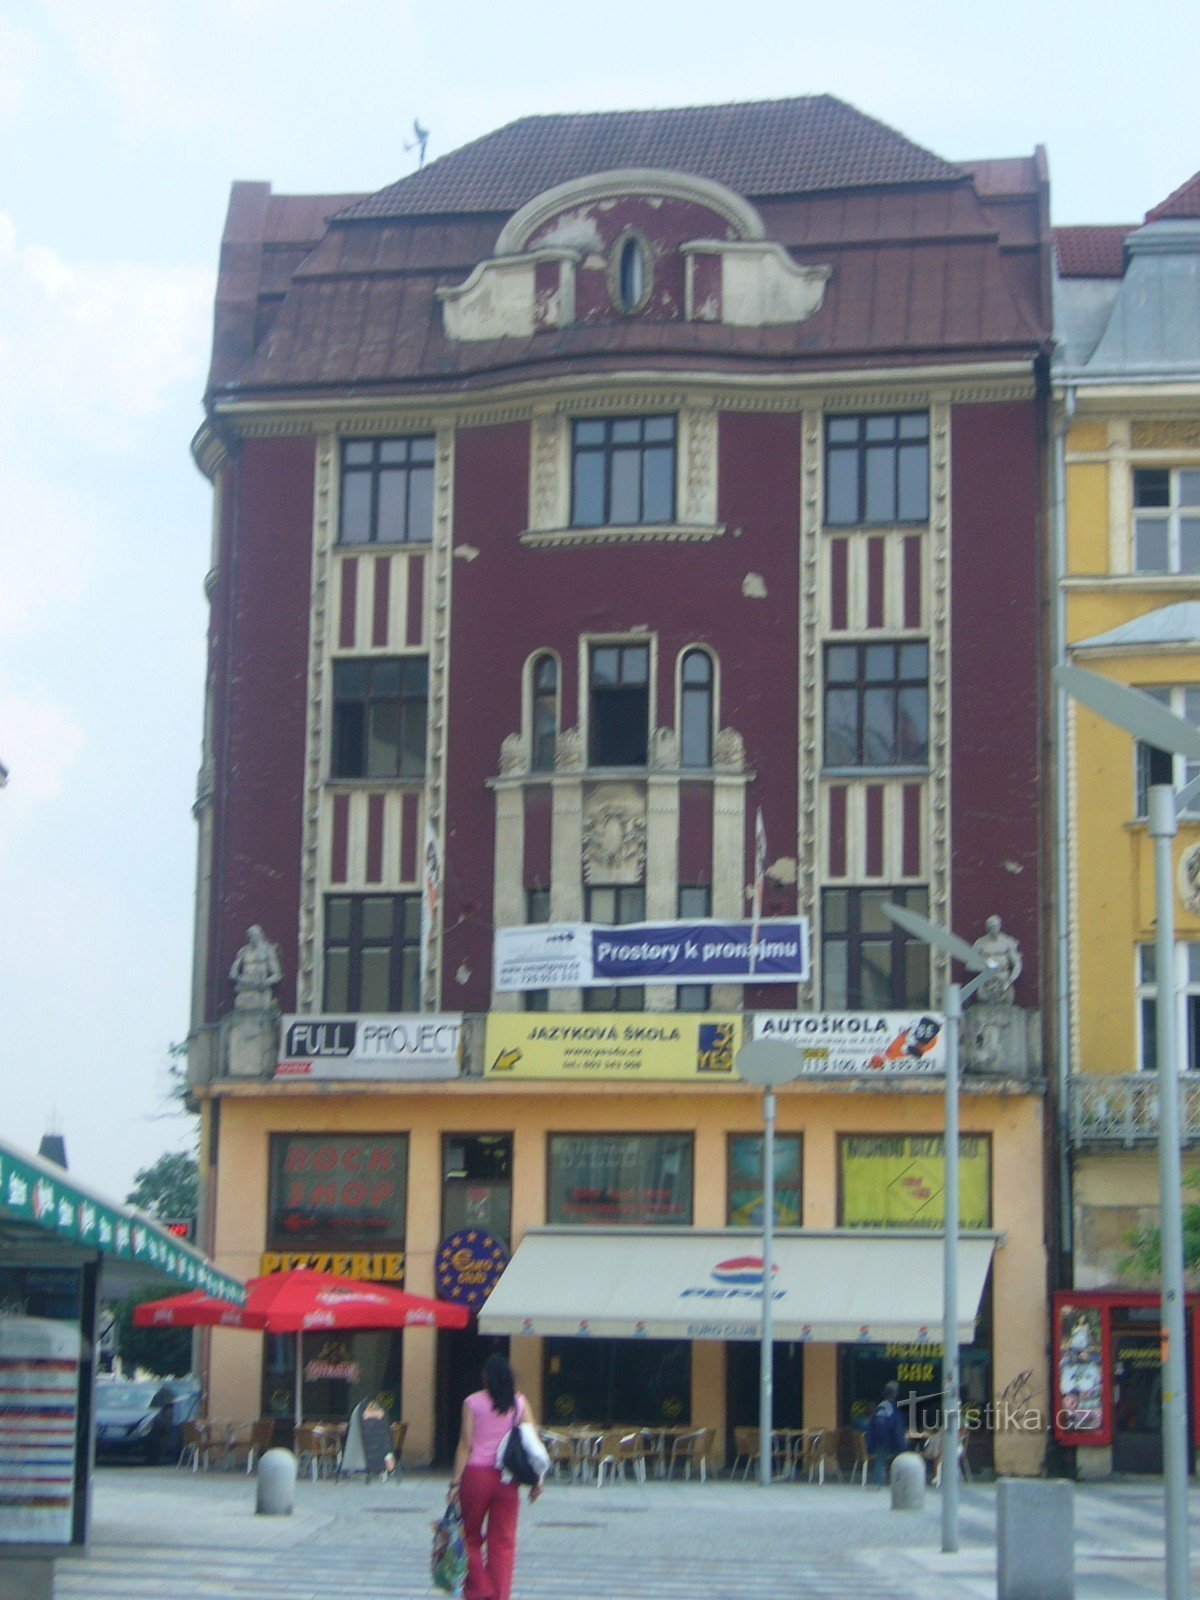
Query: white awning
(848, 1286)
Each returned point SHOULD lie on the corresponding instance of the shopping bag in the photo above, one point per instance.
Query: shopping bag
(448, 1561)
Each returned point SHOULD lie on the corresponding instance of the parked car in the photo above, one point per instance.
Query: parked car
(142, 1420)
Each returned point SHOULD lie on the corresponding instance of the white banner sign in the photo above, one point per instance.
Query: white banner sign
(836, 1043)
(370, 1047)
(578, 955)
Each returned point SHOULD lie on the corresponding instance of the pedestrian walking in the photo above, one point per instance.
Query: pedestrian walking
(886, 1434)
(489, 1505)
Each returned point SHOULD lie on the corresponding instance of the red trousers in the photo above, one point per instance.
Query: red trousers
(489, 1510)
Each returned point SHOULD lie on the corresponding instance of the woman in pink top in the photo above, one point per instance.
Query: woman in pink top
(487, 1415)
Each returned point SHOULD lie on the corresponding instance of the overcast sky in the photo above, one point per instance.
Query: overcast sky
(122, 125)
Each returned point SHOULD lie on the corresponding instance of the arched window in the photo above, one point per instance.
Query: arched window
(696, 709)
(544, 713)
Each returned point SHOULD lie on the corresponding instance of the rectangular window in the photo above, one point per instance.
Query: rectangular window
(867, 962)
(695, 903)
(1163, 766)
(477, 1183)
(877, 469)
(613, 908)
(1187, 1009)
(380, 707)
(745, 1186)
(372, 953)
(619, 717)
(876, 705)
(387, 491)
(620, 1179)
(337, 1191)
(537, 909)
(1166, 519)
(622, 471)
(890, 1180)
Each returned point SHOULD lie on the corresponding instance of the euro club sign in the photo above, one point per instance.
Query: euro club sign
(584, 955)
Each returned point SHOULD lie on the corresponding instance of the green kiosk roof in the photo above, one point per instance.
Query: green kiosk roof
(40, 1202)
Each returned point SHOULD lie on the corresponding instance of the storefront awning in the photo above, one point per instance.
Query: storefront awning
(40, 1203)
(667, 1283)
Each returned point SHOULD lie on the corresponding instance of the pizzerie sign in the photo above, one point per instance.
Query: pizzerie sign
(583, 956)
(366, 1266)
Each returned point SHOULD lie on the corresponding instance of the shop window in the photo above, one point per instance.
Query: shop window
(744, 1188)
(387, 491)
(537, 909)
(543, 713)
(877, 469)
(615, 907)
(876, 705)
(340, 1192)
(638, 1382)
(379, 717)
(1187, 1006)
(620, 1180)
(477, 1183)
(1166, 519)
(696, 709)
(867, 962)
(890, 1180)
(695, 903)
(622, 472)
(619, 714)
(372, 953)
(1163, 766)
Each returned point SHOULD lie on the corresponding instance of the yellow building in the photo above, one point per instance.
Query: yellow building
(1128, 327)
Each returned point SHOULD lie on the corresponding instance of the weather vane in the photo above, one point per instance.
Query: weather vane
(419, 141)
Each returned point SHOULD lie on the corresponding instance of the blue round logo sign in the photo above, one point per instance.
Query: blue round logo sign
(468, 1266)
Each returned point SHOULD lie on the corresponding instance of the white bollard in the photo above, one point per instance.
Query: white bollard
(1035, 1540)
(276, 1484)
(908, 1482)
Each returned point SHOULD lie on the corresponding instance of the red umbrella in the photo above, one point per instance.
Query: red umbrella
(196, 1310)
(301, 1301)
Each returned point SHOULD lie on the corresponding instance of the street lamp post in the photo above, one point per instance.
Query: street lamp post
(767, 1063)
(952, 1003)
(1153, 724)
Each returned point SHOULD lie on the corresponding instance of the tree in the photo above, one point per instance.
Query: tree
(1145, 1258)
(164, 1352)
(168, 1188)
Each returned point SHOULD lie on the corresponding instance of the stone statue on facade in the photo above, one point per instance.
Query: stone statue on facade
(1002, 954)
(255, 972)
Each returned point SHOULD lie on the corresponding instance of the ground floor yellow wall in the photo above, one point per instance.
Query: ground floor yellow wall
(249, 1116)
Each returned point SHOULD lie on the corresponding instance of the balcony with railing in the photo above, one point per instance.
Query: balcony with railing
(1110, 1109)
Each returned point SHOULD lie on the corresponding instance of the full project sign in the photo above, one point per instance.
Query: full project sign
(832, 1044)
(384, 1047)
(580, 955)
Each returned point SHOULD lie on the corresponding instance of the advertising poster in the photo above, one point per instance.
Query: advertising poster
(39, 1391)
(583, 956)
(898, 1181)
(595, 1046)
(1080, 1412)
(370, 1047)
(842, 1043)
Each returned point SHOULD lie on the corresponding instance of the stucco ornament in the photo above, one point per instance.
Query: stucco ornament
(664, 750)
(1187, 879)
(1002, 954)
(614, 839)
(513, 757)
(255, 972)
(568, 752)
(729, 751)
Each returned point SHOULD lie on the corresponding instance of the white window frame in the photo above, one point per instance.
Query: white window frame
(1175, 699)
(1171, 514)
(1187, 999)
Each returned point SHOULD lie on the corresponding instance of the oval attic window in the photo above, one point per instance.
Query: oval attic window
(631, 274)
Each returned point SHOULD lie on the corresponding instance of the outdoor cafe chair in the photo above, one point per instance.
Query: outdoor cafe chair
(250, 1441)
(853, 1453)
(745, 1450)
(621, 1448)
(558, 1448)
(193, 1441)
(692, 1449)
(399, 1433)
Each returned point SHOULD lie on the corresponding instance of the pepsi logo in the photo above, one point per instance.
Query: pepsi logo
(741, 1269)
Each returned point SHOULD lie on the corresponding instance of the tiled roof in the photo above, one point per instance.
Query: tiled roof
(757, 148)
(1185, 202)
(1091, 251)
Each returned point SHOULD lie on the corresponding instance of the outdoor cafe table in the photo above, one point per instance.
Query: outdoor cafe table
(658, 1442)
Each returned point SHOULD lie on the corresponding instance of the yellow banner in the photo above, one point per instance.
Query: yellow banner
(374, 1266)
(893, 1181)
(634, 1046)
